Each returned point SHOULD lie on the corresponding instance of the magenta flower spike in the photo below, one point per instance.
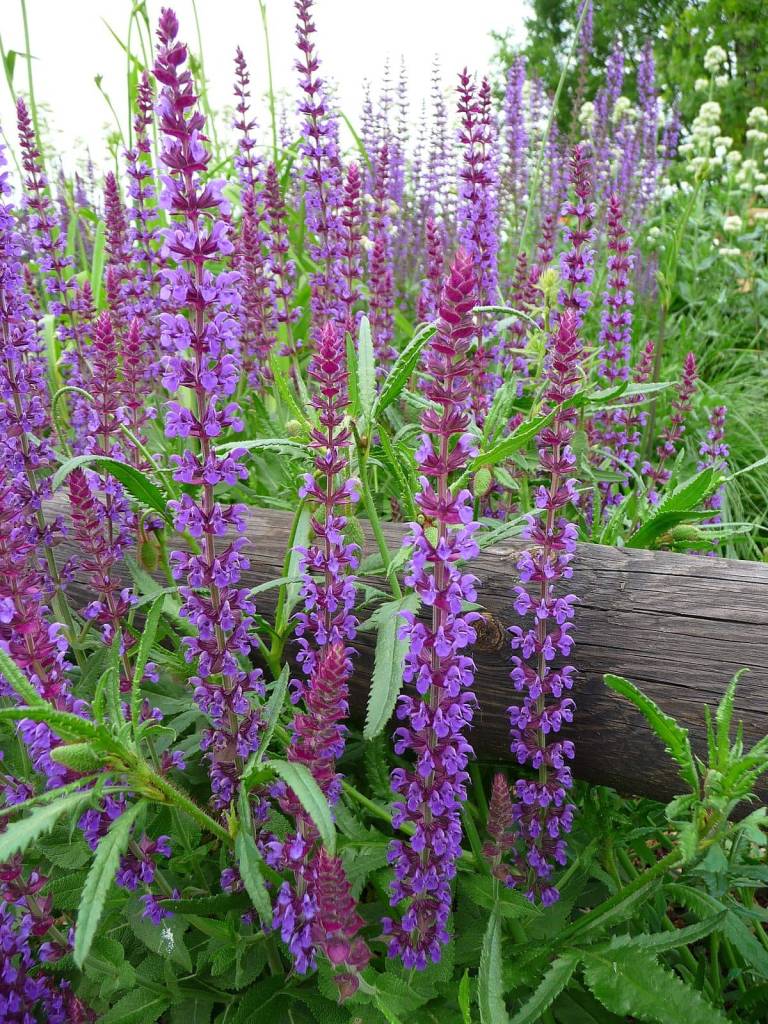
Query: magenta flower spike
(576, 262)
(714, 452)
(542, 812)
(200, 333)
(438, 706)
(672, 434)
(351, 232)
(324, 627)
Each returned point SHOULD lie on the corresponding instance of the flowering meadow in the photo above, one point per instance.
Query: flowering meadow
(479, 324)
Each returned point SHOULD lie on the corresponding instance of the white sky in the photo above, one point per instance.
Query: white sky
(72, 44)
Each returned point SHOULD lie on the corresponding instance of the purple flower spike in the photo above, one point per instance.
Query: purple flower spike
(200, 333)
(672, 433)
(328, 590)
(439, 707)
(542, 814)
(576, 262)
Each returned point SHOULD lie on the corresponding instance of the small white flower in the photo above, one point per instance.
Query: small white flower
(757, 117)
(622, 106)
(762, 191)
(724, 140)
(721, 81)
(759, 215)
(756, 135)
(732, 225)
(701, 84)
(729, 251)
(714, 58)
(587, 114)
(733, 158)
(654, 232)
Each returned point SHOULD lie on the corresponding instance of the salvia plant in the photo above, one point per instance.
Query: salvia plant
(471, 326)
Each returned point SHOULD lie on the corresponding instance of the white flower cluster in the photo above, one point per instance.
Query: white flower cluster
(714, 59)
(733, 225)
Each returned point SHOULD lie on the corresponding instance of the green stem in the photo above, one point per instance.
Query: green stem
(31, 86)
(272, 112)
(185, 803)
(373, 517)
(637, 884)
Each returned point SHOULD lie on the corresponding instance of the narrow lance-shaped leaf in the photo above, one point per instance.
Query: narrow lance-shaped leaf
(401, 371)
(490, 982)
(142, 656)
(134, 481)
(674, 737)
(310, 796)
(18, 836)
(16, 679)
(388, 664)
(366, 370)
(100, 877)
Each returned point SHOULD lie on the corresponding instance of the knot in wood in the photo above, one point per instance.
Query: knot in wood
(491, 634)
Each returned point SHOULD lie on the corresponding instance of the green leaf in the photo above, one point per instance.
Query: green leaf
(723, 718)
(662, 942)
(280, 378)
(275, 445)
(354, 398)
(672, 735)
(677, 507)
(746, 944)
(97, 262)
(20, 834)
(490, 978)
(464, 997)
(300, 539)
(148, 636)
(250, 871)
(134, 481)
(366, 370)
(64, 724)
(18, 682)
(631, 982)
(100, 877)
(401, 371)
(311, 798)
(271, 715)
(550, 987)
(518, 439)
(139, 1006)
(388, 664)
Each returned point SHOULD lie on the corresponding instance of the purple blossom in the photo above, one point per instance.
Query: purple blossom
(541, 811)
(576, 262)
(322, 177)
(380, 267)
(658, 474)
(714, 453)
(336, 924)
(439, 705)
(202, 358)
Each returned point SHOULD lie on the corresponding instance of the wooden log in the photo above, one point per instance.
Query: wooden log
(679, 626)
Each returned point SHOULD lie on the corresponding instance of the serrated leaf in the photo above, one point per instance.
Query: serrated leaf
(398, 376)
(272, 713)
(100, 877)
(673, 736)
(366, 370)
(276, 445)
(550, 987)
(139, 1006)
(20, 834)
(248, 859)
(148, 636)
(134, 481)
(387, 679)
(464, 998)
(632, 982)
(18, 682)
(677, 507)
(662, 942)
(490, 978)
(64, 724)
(518, 439)
(311, 798)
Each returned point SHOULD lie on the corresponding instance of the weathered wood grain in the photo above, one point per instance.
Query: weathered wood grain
(679, 626)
